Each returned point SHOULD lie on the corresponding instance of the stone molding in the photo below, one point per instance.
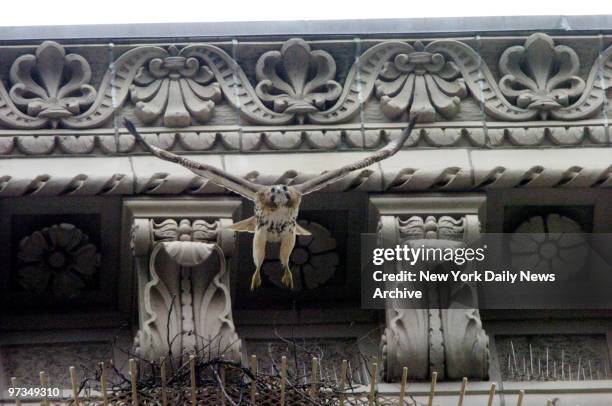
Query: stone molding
(449, 341)
(409, 170)
(297, 82)
(354, 137)
(183, 281)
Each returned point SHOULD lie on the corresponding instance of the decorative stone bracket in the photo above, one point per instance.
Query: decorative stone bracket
(449, 341)
(183, 283)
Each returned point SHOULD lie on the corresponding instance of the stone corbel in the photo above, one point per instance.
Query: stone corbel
(181, 254)
(449, 341)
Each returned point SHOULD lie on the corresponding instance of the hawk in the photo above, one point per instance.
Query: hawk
(276, 206)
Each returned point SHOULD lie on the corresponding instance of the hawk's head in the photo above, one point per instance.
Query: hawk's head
(276, 196)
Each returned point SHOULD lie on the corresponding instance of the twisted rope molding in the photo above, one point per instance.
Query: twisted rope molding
(408, 171)
(114, 89)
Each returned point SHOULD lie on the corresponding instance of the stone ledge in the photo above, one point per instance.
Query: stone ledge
(470, 25)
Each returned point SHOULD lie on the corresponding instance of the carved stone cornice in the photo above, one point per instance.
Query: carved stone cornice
(449, 341)
(183, 270)
(180, 85)
(211, 98)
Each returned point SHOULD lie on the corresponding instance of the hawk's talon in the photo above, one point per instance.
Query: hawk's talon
(255, 280)
(287, 278)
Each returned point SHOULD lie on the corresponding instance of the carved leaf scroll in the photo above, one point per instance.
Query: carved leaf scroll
(450, 341)
(186, 295)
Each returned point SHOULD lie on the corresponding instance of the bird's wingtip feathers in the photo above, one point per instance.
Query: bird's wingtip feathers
(132, 129)
(399, 142)
(411, 124)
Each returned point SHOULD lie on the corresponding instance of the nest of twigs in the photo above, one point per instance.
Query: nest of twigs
(216, 382)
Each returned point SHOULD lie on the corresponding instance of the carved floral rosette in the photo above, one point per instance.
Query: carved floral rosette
(313, 261)
(58, 260)
(184, 289)
(554, 241)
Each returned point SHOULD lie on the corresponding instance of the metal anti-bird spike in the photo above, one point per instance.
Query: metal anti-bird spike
(276, 206)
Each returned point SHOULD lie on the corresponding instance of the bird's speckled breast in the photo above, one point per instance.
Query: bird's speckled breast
(275, 222)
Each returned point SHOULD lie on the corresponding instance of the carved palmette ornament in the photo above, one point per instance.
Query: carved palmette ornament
(541, 76)
(50, 85)
(420, 82)
(297, 80)
(184, 284)
(176, 88)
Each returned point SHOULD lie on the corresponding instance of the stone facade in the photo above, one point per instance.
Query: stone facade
(511, 128)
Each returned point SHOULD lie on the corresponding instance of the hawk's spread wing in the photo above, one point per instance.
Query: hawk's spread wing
(330, 177)
(215, 175)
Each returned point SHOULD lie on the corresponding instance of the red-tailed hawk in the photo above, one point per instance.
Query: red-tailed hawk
(276, 206)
